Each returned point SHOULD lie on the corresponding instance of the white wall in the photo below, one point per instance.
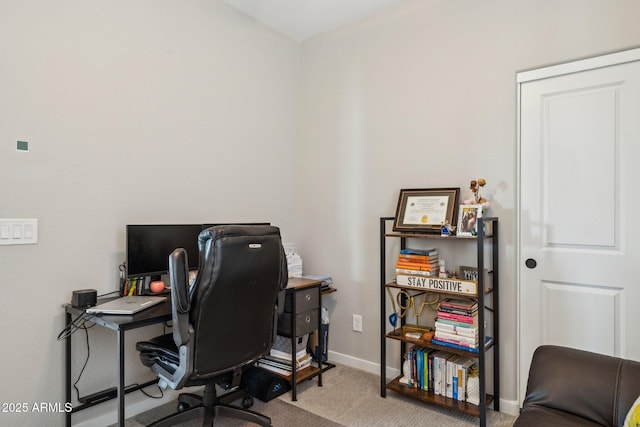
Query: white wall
(424, 97)
(135, 112)
(163, 111)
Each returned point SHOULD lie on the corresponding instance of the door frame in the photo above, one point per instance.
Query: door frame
(523, 77)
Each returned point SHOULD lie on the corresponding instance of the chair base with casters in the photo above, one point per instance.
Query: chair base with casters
(162, 352)
(209, 406)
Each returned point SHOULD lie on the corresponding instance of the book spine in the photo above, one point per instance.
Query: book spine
(459, 381)
(410, 272)
(456, 335)
(449, 378)
(443, 374)
(424, 252)
(457, 311)
(445, 327)
(436, 374)
(472, 320)
(462, 339)
(418, 258)
(458, 346)
(430, 386)
(467, 333)
(419, 368)
(454, 380)
(462, 380)
(274, 369)
(410, 374)
(425, 370)
(458, 326)
(415, 266)
(456, 342)
(452, 303)
(414, 368)
(287, 356)
(266, 362)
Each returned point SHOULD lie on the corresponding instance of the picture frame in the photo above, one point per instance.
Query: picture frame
(471, 273)
(468, 220)
(425, 210)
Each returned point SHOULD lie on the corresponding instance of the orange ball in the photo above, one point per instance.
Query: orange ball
(156, 286)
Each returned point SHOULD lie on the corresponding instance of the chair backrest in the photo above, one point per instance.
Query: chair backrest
(233, 298)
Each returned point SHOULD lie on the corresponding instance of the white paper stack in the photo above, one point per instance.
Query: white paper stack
(294, 261)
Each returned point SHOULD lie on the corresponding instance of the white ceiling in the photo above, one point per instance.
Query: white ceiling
(301, 19)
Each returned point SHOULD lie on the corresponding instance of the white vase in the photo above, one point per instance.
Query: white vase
(473, 390)
(406, 369)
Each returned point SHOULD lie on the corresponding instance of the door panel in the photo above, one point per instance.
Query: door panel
(579, 137)
(579, 172)
(580, 316)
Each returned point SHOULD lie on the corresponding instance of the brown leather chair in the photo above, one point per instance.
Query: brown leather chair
(569, 387)
(223, 323)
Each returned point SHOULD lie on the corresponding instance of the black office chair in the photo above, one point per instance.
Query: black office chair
(225, 322)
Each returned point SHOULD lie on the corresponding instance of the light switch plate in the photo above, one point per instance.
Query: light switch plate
(18, 231)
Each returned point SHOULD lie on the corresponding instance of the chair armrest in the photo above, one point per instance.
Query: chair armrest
(574, 381)
(180, 302)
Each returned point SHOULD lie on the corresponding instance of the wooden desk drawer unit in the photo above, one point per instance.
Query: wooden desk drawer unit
(306, 322)
(301, 316)
(301, 306)
(305, 299)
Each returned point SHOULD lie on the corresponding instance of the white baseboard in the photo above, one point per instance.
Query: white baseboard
(510, 407)
(131, 410)
(354, 362)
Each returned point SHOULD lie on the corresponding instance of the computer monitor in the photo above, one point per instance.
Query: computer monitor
(149, 247)
(205, 226)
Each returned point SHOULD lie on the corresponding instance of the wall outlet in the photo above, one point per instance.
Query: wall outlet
(357, 323)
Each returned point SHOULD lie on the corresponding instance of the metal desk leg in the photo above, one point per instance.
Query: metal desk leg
(294, 340)
(121, 378)
(67, 361)
(320, 351)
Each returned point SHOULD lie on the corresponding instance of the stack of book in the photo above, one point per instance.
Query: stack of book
(451, 373)
(416, 262)
(280, 362)
(416, 369)
(437, 371)
(457, 324)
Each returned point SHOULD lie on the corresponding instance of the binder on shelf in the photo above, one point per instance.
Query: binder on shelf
(321, 334)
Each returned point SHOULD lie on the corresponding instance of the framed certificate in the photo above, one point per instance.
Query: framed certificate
(425, 210)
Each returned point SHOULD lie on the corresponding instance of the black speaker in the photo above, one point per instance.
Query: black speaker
(264, 385)
(84, 298)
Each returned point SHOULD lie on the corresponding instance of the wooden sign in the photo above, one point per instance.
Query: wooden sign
(454, 286)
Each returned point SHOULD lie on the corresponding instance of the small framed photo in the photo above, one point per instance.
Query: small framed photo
(425, 210)
(468, 220)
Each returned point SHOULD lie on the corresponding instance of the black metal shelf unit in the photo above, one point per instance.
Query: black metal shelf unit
(488, 236)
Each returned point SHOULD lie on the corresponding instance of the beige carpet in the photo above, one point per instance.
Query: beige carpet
(349, 397)
(281, 413)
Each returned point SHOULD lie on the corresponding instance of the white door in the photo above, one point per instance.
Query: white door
(579, 193)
